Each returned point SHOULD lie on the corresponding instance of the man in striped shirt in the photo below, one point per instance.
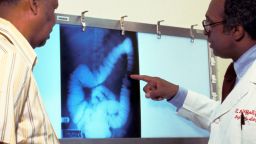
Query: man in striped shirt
(24, 25)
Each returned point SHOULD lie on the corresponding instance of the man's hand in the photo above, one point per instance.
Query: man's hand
(157, 88)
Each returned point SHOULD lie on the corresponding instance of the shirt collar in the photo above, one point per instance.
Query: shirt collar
(245, 61)
(20, 42)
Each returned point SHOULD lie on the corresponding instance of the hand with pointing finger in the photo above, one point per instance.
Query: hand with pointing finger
(157, 88)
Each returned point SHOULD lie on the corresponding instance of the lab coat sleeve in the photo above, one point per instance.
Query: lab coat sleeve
(199, 109)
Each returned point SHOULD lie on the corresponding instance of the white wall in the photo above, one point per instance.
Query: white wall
(179, 13)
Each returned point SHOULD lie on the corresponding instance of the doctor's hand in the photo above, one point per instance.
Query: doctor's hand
(157, 88)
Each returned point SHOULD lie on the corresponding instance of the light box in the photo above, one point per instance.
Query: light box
(83, 78)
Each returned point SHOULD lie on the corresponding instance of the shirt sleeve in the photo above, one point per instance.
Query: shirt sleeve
(7, 122)
(179, 98)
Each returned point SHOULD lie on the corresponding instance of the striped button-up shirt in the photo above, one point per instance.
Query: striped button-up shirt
(22, 115)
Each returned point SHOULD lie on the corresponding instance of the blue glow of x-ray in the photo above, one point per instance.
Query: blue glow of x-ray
(103, 112)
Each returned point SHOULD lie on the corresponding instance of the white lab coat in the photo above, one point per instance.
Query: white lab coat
(224, 120)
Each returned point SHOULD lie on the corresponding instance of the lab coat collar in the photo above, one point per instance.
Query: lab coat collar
(239, 92)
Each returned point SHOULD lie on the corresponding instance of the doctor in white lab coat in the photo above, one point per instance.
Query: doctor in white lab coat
(230, 26)
(224, 120)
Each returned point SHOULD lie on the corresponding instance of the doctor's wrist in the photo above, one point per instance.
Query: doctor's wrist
(173, 92)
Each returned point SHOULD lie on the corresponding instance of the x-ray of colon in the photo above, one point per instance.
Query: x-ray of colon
(99, 100)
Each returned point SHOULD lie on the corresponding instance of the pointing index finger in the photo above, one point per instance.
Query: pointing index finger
(141, 77)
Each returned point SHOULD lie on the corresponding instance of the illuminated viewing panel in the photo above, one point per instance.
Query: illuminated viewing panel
(84, 81)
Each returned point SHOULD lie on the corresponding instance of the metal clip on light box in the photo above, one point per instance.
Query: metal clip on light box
(192, 35)
(158, 32)
(122, 24)
(83, 20)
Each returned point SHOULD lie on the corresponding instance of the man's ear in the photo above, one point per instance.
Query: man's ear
(33, 6)
(238, 32)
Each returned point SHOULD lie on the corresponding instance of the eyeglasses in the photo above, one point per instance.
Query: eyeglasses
(207, 25)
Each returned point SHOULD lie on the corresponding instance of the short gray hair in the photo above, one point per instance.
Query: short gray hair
(8, 2)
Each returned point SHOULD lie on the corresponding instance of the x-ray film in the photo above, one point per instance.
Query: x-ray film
(99, 100)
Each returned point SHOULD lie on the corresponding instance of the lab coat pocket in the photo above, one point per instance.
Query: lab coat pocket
(248, 133)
